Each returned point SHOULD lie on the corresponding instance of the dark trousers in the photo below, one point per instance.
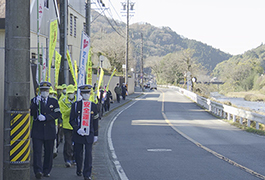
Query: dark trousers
(123, 96)
(46, 167)
(106, 106)
(68, 145)
(118, 97)
(78, 148)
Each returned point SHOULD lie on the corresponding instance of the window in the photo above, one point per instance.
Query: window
(46, 4)
(84, 27)
(75, 26)
(71, 24)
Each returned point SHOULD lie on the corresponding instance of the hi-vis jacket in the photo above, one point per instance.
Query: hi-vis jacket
(65, 107)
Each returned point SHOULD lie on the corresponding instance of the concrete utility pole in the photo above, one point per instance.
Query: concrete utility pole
(127, 44)
(17, 95)
(88, 17)
(142, 61)
(64, 72)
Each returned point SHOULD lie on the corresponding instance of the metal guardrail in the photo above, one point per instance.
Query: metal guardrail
(222, 110)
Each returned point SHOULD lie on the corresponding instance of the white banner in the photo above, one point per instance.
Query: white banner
(85, 119)
(84, 50)
(41, 7)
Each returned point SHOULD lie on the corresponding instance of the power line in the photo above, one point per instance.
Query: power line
(110, 22)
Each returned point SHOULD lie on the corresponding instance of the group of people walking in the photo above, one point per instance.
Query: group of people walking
(58, 115)
(121, 91)
(46, 109)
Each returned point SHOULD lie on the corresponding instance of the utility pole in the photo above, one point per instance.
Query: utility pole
(16, 128)
(127, 44)
(142, 61)
(64, 72)
(88, 17)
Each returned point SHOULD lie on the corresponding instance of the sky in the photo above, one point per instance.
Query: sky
(233, 26)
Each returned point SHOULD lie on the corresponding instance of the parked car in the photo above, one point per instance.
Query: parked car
(153, 86)
(147, 85)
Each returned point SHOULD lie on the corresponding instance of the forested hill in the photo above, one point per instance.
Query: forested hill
(158, 41)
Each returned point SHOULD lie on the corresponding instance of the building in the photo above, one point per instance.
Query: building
(76, 23)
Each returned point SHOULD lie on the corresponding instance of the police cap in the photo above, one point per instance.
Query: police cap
(85, 88)
(45, 85)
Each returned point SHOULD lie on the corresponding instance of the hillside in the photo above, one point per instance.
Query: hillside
(247, 71)
(157, 41)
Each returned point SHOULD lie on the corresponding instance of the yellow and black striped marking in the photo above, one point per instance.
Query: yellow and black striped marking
(19, 138)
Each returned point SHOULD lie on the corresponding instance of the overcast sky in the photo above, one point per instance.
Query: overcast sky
(233, 26)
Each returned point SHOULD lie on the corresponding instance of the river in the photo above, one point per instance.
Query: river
(240, 102)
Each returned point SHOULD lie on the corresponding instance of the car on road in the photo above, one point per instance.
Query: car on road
(153, 86)
(147, 85)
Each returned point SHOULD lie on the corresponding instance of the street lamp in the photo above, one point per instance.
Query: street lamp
(101, 59)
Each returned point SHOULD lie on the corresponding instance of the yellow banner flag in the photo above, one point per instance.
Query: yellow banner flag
(89, 69)
(57, 68)
(71, 66)
(53, 40)
(114, 71)
(100, 79)
(75, 69)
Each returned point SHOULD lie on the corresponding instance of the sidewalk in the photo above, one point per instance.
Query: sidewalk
(102, 167)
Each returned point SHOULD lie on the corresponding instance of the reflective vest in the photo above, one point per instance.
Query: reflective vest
(65, 107)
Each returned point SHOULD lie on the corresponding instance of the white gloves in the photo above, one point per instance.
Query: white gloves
(95, 139)
(41, 117)
(81, 132)
(37, 99)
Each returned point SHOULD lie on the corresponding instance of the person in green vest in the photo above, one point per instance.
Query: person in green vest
(65, 107)
(59, 91)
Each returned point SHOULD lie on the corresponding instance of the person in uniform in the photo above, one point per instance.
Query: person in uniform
(65, 107)
(82, 136)
(44, 111)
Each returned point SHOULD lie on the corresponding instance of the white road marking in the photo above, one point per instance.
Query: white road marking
(115, 160)
(159, 150)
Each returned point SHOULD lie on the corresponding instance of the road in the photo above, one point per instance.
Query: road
(163, 135)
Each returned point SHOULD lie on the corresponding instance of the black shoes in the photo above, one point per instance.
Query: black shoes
(38, 175)
(87, 178)
(46, 175)
(79, 173)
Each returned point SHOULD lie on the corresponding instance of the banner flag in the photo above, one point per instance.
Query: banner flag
(75, 69)
(114, 71)
(68, 57)
(57, 68)
(85, 45)
(100, 80)
(44, 64)
(89, 69)
(53, 40)
(84, 49)
(41, 7)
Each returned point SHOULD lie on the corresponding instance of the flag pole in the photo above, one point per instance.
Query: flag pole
(38, 50)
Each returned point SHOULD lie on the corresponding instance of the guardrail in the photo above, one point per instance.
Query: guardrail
(222, 110)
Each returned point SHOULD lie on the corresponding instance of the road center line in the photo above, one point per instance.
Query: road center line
(205, 148)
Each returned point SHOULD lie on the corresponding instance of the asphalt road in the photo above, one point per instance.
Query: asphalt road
(163, 135)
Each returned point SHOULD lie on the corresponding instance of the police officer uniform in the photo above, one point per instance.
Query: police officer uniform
(80, 139)
(44, 111)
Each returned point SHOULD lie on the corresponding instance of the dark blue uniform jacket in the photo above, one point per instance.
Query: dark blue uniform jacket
(75, 121)
(44, 130)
